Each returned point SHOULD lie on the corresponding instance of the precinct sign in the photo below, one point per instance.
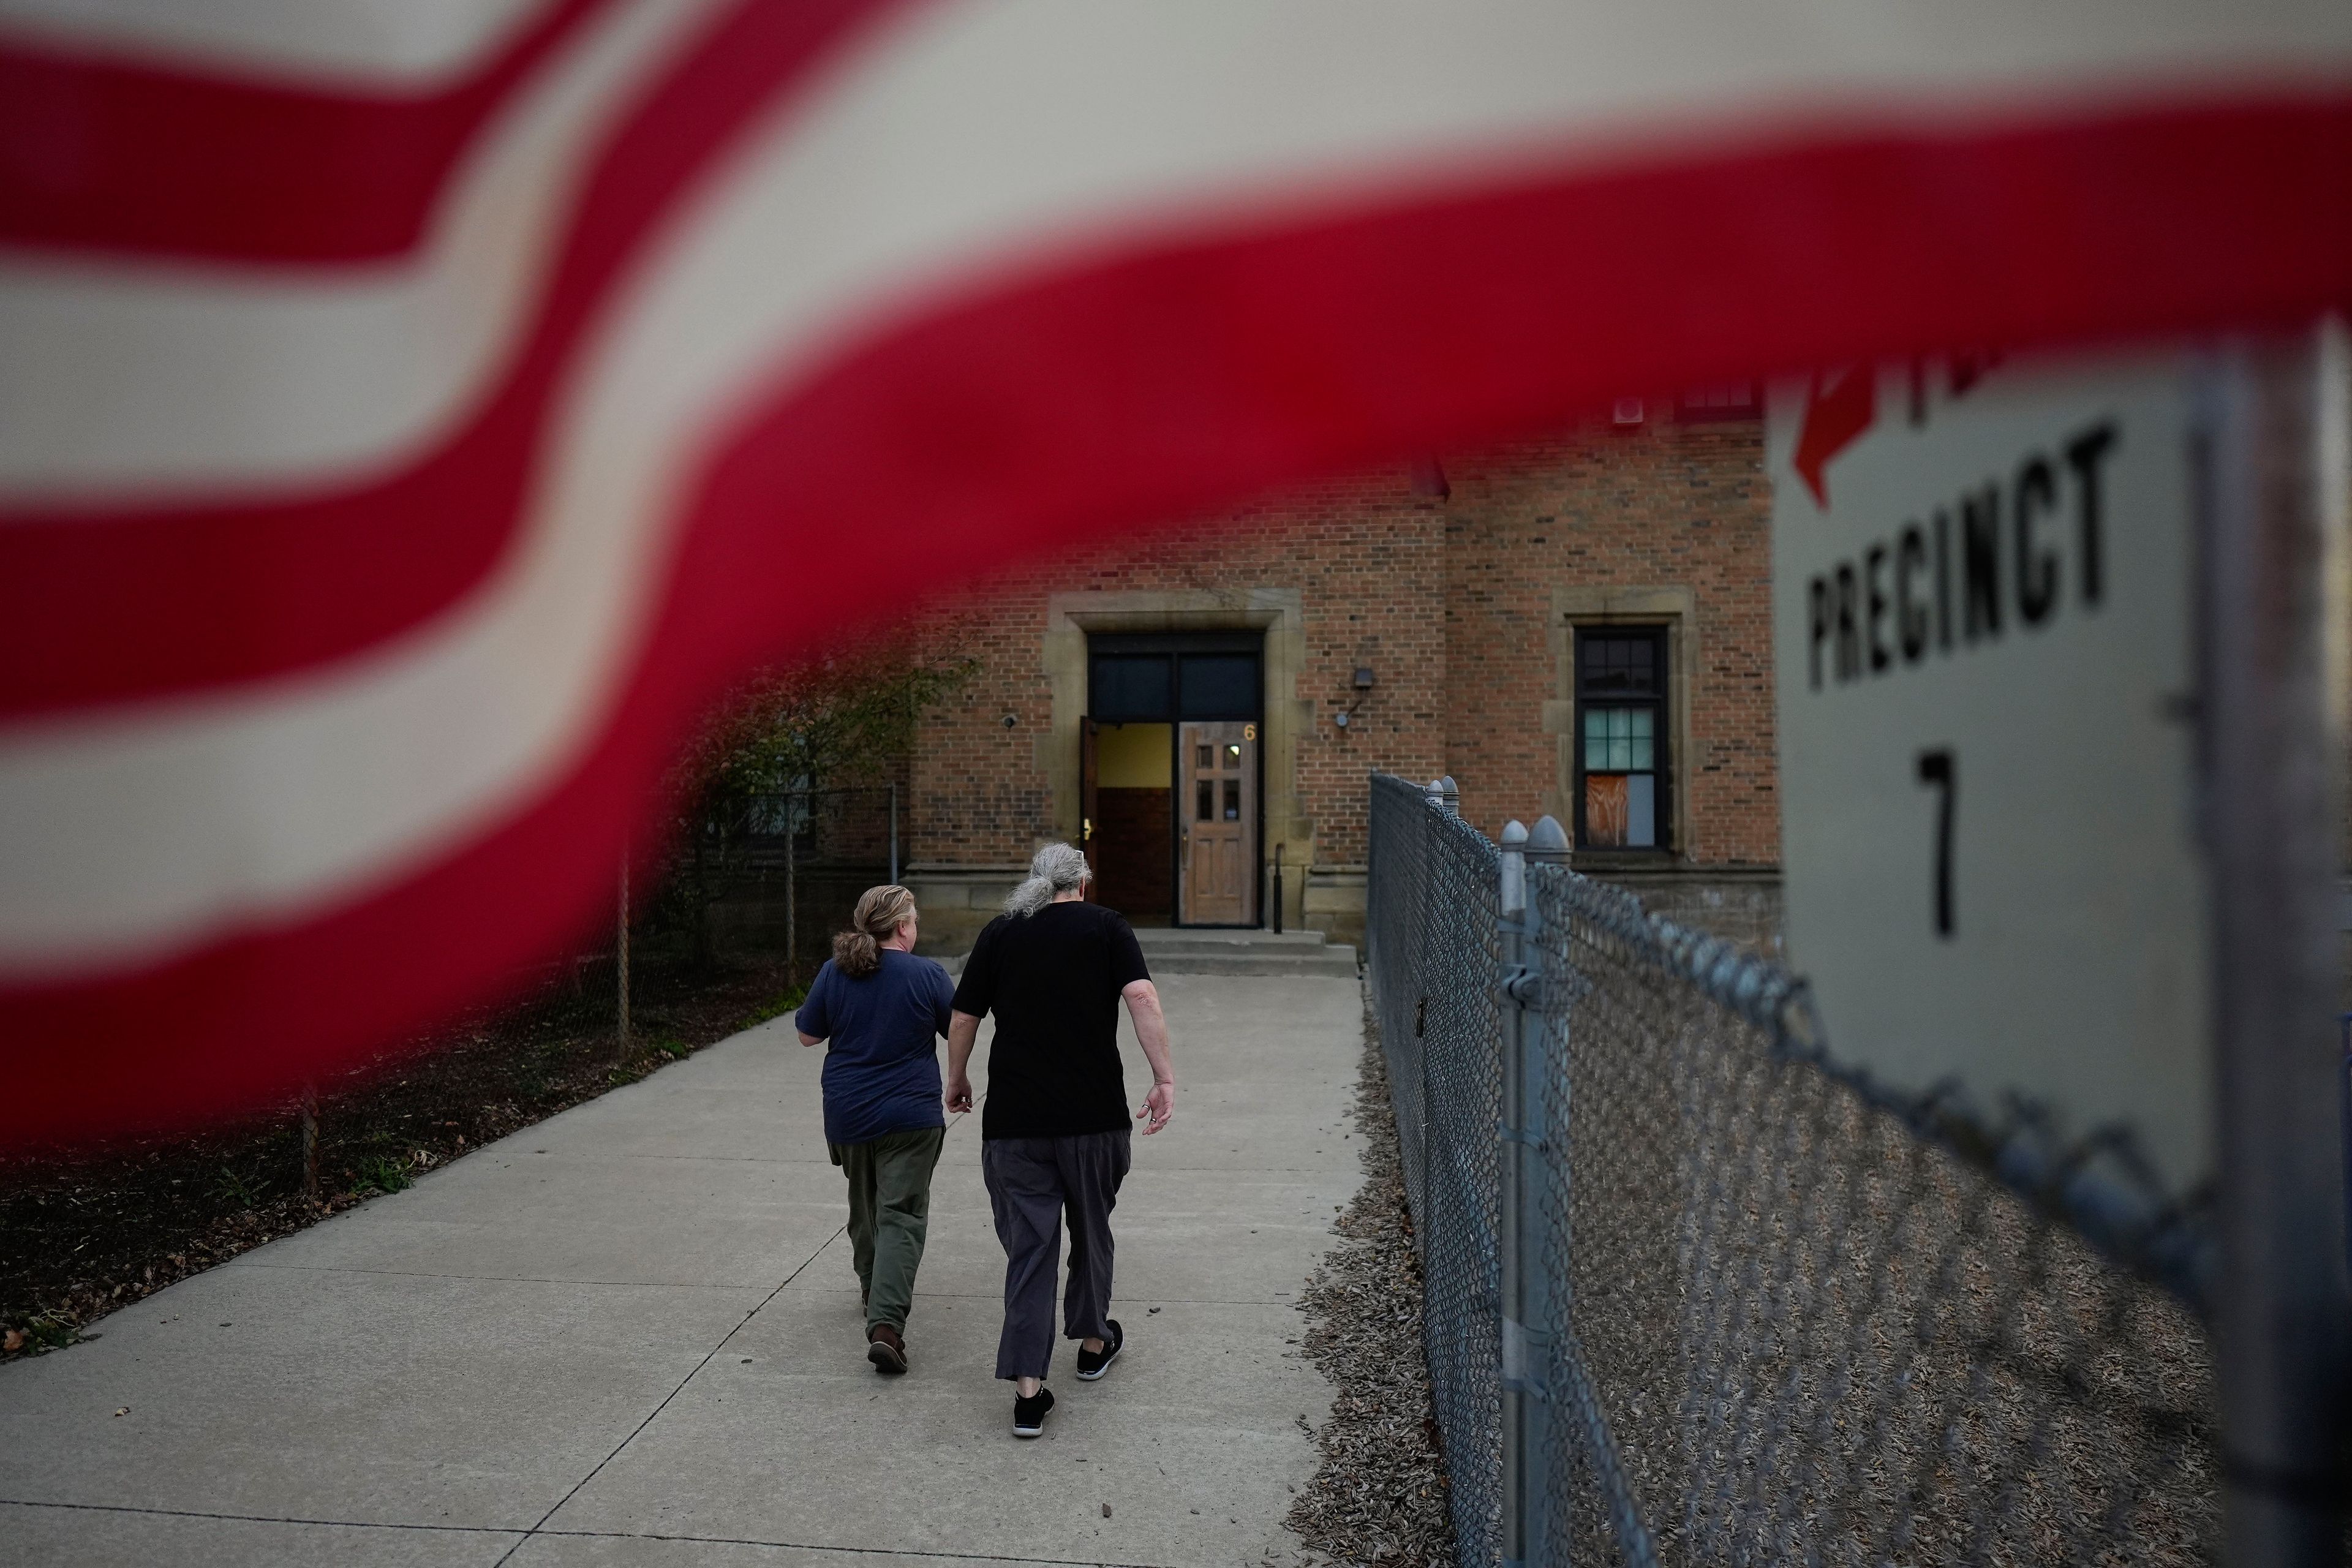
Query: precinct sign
(1982, 625)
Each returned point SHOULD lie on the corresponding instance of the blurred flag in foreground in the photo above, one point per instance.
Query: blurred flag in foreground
(409, 413)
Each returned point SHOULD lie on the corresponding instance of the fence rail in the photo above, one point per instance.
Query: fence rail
(1697, 1295)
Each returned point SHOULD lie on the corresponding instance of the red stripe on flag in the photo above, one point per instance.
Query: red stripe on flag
(110, 154)
(1672, 274)
(102, 606)
(1157, 384)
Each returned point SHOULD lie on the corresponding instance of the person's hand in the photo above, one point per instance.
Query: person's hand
(1158, 1107)
(959, 1093)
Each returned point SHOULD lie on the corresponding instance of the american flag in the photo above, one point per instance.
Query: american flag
(412, 410)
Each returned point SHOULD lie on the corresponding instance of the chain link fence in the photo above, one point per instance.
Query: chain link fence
(1431, 950)
(1767, 1313)
(777, 874)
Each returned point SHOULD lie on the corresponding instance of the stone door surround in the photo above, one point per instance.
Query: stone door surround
(1279, 613)
(1676, 610)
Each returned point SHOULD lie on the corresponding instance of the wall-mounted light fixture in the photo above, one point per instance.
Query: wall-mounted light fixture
(1009, 720)
(1363, 685)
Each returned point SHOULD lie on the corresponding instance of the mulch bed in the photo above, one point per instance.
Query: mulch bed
(86, 1233)
(1378, 1497)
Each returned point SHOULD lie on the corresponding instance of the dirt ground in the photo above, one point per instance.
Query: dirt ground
(81, 1235)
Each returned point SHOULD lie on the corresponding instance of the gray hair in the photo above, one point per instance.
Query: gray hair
(1058, 868)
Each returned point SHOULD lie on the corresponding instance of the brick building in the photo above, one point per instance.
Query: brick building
(1579, 625)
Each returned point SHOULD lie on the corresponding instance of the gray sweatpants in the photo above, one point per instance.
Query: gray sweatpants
(1031, 1183)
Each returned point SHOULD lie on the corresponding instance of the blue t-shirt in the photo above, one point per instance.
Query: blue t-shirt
(881, 1069)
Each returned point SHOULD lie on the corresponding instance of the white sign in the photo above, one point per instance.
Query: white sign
(1982, 624)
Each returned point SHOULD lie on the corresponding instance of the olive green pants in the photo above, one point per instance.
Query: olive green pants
(889, 1213)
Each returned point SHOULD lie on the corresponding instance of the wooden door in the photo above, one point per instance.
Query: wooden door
(1217, 810)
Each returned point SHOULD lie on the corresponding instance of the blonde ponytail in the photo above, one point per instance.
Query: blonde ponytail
(881, 912)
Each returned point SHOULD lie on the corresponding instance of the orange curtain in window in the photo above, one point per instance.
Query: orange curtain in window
(1606, 817)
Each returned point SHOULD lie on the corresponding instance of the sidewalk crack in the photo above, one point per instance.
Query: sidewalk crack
(708, 1358)
(724, 1340)
(513, 1530)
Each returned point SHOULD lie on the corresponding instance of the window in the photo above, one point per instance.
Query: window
(788, 814)
(1130, 688)
(1135, 678)
(1733, 400)
(1621, 738)
(1216, 686)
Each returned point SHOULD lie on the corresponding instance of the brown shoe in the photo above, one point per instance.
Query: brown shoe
(885, 1349)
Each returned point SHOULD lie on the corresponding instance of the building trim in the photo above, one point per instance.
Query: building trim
(1676, 609)
(1280, 613)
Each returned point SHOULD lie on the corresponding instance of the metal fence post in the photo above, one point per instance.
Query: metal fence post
(2346, 1020)
(1525, 1201)
(1418, 1181)
(2269, 429)
(1523, 1392)
(310, 1139)
(621, 958)
(791, 890)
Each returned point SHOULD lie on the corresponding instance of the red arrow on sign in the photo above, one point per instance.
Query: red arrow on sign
(1836, 413)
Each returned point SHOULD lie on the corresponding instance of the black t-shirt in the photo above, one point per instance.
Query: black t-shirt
(1053, 980)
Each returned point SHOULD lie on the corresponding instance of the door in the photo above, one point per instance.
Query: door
(1089, 800)
(1216, 766)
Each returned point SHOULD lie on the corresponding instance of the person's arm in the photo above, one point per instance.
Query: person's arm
(1151, 1034)
(812, 1013)
(973, 996)
(942, 1001)
(964, 1033)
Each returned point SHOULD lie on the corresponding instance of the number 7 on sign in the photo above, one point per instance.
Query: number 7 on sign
(1939, 768)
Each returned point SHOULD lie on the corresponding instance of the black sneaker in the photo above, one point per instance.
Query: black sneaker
(1029, 1415)
(1092, 1364)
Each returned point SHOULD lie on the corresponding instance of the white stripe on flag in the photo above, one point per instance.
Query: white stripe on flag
(1042, 112)
(973, 136)
(134, 375)
(1039, 111)
(383, 45)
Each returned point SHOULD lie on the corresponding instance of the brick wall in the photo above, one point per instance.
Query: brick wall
(1448, 603)
(1365, 555)
(1655, 505)
(977, 794)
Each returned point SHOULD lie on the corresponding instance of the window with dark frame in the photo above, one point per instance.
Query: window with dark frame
(1728, 401)
(1143, 679)
(1621, 738)
(792, 813)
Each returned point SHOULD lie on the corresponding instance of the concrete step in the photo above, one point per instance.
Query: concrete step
(1210, 950)
(1196, 949)
(1172, 938)
(1334, 962)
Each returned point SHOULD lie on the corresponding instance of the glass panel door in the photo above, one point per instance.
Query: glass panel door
(1217, 858)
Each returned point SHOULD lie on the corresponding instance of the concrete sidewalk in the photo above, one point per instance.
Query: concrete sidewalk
(631, 1334)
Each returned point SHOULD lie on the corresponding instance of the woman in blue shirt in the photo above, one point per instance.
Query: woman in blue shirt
(882, 1007)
